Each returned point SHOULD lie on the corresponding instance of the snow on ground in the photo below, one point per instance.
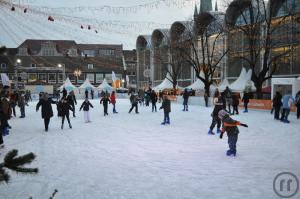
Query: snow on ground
(131, 156)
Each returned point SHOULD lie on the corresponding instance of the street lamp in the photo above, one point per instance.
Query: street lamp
(18, 62)
(64, 70)
(77, 74)
(123, 81)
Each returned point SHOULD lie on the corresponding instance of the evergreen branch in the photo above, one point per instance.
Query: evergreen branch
(4, 176)
(10, 155)
(22, 160)
(24, 170)
(53, 194)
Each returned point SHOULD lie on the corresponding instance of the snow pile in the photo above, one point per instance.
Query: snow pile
(132, 156)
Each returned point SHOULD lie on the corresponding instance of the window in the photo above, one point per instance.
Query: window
(43, 77)
(3, 65)
(32, 77)
(107, 52)
(52, 78)
(99, 77)
(91, 77)
(33, 65)
(90, 66)
(89, 53)
(60, 77)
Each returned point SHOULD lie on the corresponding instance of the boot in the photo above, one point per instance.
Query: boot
(168, 122)
(70, 125)
(62, 126)
(164, 122)
(210, 132)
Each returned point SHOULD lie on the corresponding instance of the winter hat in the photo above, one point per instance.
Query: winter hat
(222, 114)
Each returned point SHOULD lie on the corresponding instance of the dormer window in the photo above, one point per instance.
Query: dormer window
(33, 65)
(90, 66)
(3, 65)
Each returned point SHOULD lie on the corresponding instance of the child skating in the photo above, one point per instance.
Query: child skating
(113, 101)
(86, 109)
(230, 126)
(166, 105)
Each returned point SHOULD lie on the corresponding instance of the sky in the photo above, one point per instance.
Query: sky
(116, 21)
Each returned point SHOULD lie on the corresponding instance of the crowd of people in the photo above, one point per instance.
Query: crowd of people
(225, 104)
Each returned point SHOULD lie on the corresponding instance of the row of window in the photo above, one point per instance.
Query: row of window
(4, 65)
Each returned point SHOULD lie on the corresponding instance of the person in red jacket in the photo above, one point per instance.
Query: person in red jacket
(113, 101)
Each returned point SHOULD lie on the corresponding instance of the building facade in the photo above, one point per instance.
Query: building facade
(50, 61)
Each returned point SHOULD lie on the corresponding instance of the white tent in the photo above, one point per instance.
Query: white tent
(87, 85)
(223, 85)
(166, 84)
(197, 85)
(243, 81)
(68, 86)
(104, 86)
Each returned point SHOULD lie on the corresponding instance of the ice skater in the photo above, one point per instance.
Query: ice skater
(235, 103)
(86, 109)
(65, 108)
(287, 102)
(113, 101)
(277, 104)
(72, 101)
(47, 112)
(134, 103)
(246, 98)
(185, 97)
(153, 98)
(218, 102)
(166, 105)
(230, 126)
(105, 100)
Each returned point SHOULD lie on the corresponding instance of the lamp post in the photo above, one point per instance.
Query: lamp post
(18, 62)
(77, 74)
(63, 70)
(123, 81)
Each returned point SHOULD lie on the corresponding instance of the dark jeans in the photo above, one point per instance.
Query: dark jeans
(285, 114)
(232, 140)
(105, 109)
(1, 138)
(22, 110)
(135, 105)
(166, 117)
(154, 106)
(298, 111)
(13, 107)
(276, 112)
(73, 106)
(63, 119)
(46, 122)
(206, 101)
(114, 108)
(235, 109)
(215, 120)
(246, 106)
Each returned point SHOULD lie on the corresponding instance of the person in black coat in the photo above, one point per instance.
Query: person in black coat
(86, 108)
(64, 92)
(86, 93)
(92, 94)
(153, 98)
(246, 99)
(235, 103)
(219, 105)
(72, 101)
(105, 100)
(47, 112)
(65, 108)
(277, 104)
(185, 96)
(134, 103)
(166, 105)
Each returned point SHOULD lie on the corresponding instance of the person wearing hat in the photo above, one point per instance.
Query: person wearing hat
(230, 126)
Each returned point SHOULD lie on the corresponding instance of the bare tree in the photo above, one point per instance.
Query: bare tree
(254, 20)
(205, 47)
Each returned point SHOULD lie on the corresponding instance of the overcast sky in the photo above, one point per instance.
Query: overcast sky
(162, 13)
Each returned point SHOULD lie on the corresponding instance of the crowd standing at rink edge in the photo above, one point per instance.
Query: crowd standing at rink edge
(221, 114)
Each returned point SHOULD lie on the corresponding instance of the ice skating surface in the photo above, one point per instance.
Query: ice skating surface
(132, 156)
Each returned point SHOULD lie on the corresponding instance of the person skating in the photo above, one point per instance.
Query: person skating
(86, 93)
(185, 96)
(230, 126)
(287, 102)
(153, 98)
(277, 104)
(217, 101)
(246, 99)
(113, 101)
(22, 103)
(105, 100)
(166, 105)
(86, 109)
(13, 102)
(297, 102)
(228, 97)
(47, 111)
(160, 96)
(92, 94)
(72, 101)
(134, 103)
(65, 112)
(6, 110)
(147, 97)
(64, 93)
(235, 103)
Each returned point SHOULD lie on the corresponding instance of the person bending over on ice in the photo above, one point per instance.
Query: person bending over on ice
(230, 126)
(166, 105)
(47, 111)
(86, 109)
(218, 102)
(105, 100)
(65, 108)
